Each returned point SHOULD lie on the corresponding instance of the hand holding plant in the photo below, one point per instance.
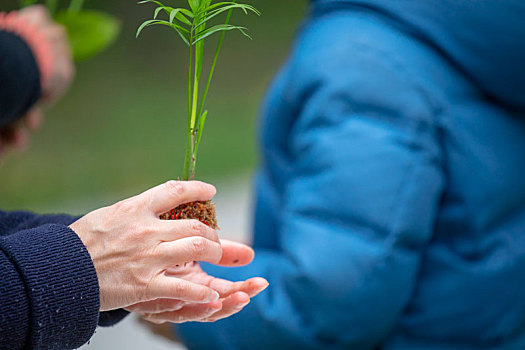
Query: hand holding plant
(194, 25)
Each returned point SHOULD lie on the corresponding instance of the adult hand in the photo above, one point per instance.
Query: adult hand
(234, 295)
(61, 70)
(132, 248)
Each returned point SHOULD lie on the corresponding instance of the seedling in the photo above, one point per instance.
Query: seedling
(195, 25)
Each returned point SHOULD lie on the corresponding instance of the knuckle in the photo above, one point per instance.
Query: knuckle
(198, 245)
(197, 228)
(147, 230)
(175, 188)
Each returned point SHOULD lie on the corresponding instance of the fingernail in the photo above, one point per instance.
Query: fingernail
(216, 296)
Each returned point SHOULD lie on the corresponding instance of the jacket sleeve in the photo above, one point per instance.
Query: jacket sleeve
(19, 78)
(49, 295)
(356, 212)
(12, 222)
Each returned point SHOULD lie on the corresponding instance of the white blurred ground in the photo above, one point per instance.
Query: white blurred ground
(233, 202)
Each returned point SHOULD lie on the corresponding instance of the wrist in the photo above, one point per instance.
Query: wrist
(34, 38)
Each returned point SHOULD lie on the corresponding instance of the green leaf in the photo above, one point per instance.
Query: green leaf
(214, 6)
(219, 28)
(174, 13)
(180, 30)
(160, 8)
(146, 24)
(194, 5)
(90, 32)
(220, 10)
(179, 14)
(153, 1)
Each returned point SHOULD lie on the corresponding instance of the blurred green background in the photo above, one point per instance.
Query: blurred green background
(121, 127)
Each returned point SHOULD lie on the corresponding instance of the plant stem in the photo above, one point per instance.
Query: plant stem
(195, 109)
(189, 153)
(193, 120)
(191, 158)
(195, 98)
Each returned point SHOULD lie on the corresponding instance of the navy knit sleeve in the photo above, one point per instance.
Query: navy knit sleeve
(12, 222)
(19, 78)
(14, 306)
(49, 290)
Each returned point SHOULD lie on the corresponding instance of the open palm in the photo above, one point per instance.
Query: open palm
(233, 296)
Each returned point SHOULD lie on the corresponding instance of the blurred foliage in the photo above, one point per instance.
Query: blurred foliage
(117, 133)
(90, 32)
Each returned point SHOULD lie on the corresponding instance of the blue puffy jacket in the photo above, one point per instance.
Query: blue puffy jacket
(391, 196)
